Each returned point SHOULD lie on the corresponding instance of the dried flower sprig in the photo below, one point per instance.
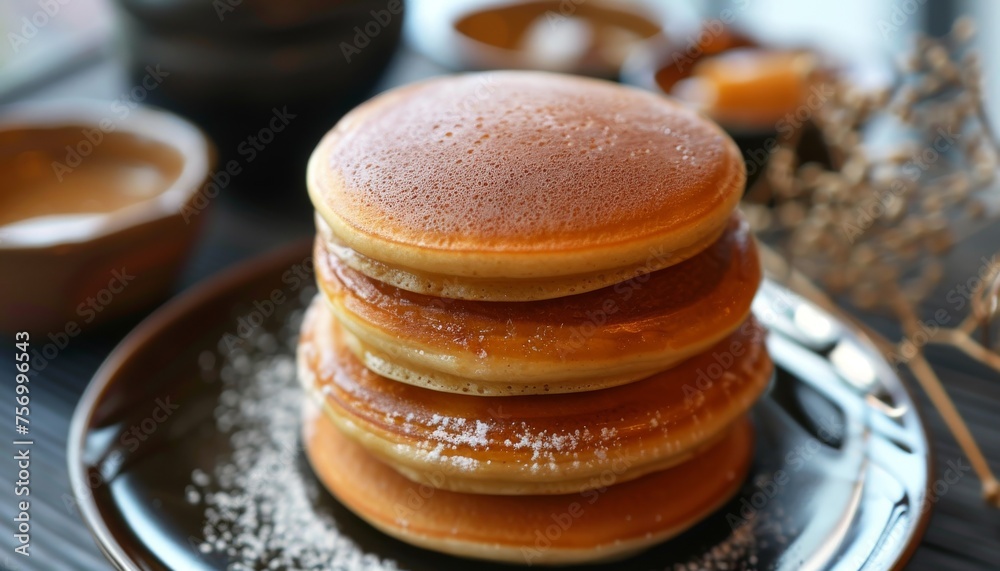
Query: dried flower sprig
(871, 229)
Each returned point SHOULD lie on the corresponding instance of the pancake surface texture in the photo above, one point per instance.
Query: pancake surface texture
(525, 177)
(537, 444)
(608, 524)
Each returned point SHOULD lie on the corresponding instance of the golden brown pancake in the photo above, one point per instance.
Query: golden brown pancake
(536, 444)
(500, 289)
(603, 524)
(582, 342)
(499, 182)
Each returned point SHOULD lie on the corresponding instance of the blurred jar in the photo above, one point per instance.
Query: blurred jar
(762, 95)
(265, 79)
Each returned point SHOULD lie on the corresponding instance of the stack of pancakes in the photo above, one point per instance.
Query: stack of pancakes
(533, 339)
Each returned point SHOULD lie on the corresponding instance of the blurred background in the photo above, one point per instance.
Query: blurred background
(264, 80)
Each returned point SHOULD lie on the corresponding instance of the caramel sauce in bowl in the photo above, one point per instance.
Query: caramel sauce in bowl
(760, 94)
(729, 76)
(591, 37)
(99, 207)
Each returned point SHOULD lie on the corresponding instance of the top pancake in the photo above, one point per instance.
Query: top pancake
(523, 175)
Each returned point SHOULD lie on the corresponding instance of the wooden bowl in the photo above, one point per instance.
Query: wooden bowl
(99, 208)
(545, 35)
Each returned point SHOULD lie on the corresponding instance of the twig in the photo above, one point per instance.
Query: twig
(918, 365)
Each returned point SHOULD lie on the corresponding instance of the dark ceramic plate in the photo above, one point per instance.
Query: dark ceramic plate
(184, 450)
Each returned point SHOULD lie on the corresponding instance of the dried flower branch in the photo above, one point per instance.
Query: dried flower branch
(921, 369)
(872, 229)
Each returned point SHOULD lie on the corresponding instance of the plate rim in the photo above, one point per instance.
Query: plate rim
(927, 507)
(227, 278)
(106, 374)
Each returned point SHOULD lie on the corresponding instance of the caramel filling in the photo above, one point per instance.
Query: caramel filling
(700, 299)
(76, 175)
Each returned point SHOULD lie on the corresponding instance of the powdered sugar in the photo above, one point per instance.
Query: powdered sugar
(738, 552)
(260, 504)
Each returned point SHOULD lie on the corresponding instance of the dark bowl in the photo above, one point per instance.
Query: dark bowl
(265, 79)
